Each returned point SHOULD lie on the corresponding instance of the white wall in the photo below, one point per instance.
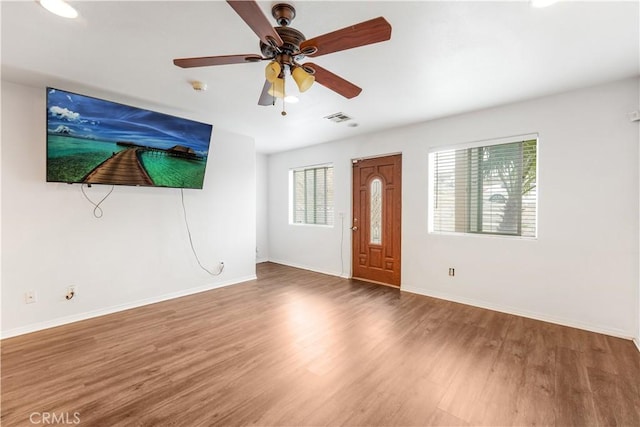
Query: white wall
(262, 211)
(137, 253)
(637, 337)
(583, 268)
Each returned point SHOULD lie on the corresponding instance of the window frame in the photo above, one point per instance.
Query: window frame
(469, 146)
(329, 204)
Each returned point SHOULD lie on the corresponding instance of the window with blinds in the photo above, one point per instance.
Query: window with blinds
(489, 189)
(312, 198)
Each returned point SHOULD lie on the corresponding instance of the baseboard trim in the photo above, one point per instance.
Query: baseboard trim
(306, 267)
(522, 313)
(117, 308)
(636, 341)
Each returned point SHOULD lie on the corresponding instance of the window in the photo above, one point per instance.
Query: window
(485, 189)
(312, 195)
(375, 208)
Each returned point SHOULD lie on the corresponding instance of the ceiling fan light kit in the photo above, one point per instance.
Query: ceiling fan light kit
(284, 47)
(272, 71)
(303, 79)
(277, 88)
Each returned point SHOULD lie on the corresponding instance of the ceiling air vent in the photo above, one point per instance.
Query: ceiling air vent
(338, 117)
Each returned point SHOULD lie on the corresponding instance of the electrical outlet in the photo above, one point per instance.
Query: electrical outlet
(71, 292)
(30, 297)
(452, 271)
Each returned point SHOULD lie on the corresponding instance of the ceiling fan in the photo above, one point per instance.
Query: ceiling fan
(284, 47)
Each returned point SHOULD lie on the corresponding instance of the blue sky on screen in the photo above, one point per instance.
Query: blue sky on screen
(85, 117)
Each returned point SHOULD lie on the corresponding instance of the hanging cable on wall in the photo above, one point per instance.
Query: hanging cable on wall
(97, 210)
(193, 249)
(341, 244)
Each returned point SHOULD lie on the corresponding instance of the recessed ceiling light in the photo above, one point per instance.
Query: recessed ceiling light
(60, 8)
(542, 3)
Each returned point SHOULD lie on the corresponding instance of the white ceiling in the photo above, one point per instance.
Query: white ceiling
(444, 58)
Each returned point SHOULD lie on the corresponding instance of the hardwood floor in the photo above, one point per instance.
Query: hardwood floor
(300, 348)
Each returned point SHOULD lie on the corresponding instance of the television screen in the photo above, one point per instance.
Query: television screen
(94, 141)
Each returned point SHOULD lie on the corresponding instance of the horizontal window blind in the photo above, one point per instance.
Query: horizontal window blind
(313, 195)
(490, 189)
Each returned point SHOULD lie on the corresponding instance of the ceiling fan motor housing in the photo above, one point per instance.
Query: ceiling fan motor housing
(291, 43)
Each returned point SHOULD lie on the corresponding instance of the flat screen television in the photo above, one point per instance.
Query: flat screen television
(95, 141)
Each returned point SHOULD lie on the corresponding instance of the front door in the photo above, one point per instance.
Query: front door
(377, 207)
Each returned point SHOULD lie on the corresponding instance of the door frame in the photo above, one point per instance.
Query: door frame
(351, 216)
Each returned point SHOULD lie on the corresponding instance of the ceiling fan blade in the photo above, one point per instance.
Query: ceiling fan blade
(207, 61)
(265, 98)
(368, 32)
(334, 82)
(253, 16)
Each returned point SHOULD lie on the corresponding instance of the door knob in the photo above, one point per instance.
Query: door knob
(354, 228)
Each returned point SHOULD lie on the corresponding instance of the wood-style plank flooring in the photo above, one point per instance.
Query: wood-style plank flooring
(299, 348)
